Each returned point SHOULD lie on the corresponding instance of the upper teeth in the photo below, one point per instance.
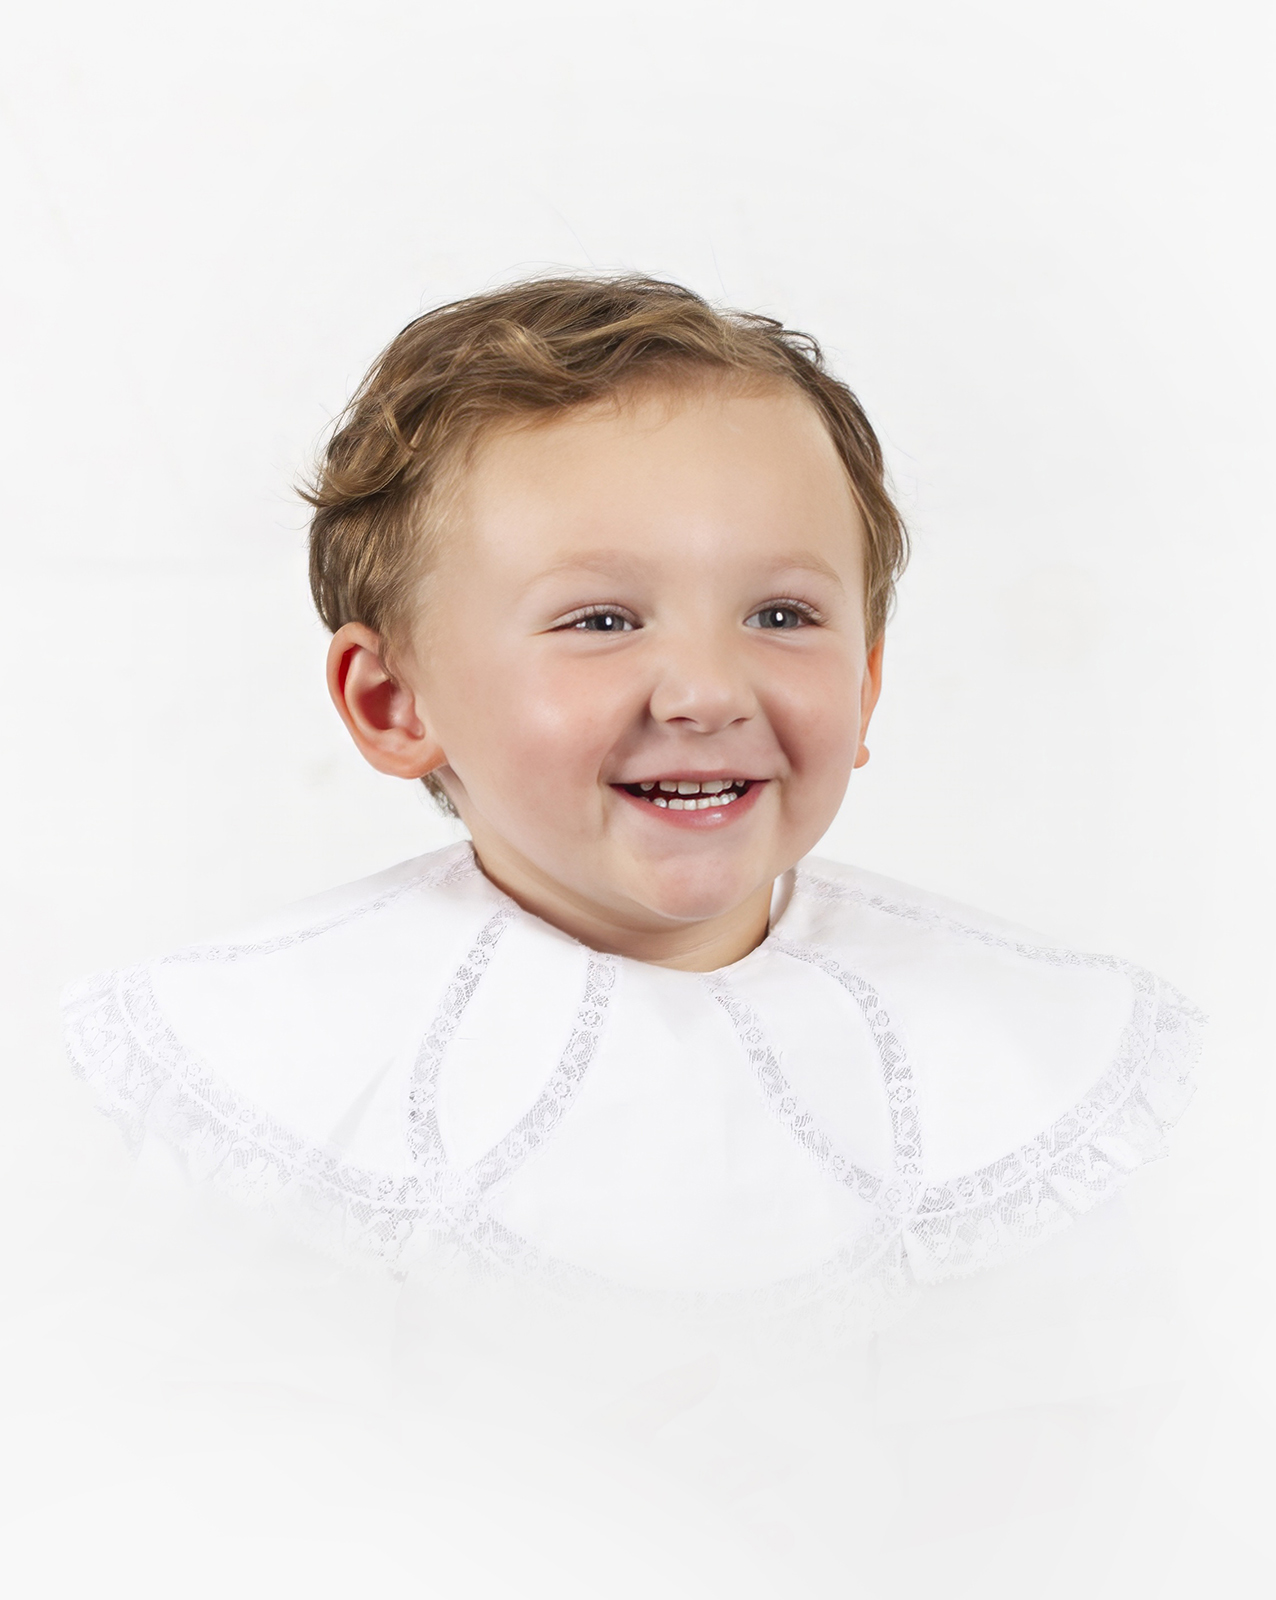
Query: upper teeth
(690, 795)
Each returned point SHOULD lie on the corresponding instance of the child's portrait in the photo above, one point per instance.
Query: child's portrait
(637, 961)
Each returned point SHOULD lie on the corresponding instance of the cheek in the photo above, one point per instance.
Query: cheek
(816, 715)
(541, 722)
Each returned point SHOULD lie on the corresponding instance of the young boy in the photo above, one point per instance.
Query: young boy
(609, 570)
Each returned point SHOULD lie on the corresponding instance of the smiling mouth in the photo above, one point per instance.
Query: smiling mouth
(675, 794)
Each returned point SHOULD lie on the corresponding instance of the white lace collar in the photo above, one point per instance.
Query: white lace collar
(889, 1088)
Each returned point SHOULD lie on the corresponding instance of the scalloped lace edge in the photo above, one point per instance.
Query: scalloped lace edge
(152, 1087)
(977, 1232)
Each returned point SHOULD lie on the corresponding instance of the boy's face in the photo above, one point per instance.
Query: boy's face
(630, 602)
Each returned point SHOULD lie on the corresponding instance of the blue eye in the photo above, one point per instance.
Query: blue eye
(603, 622)
(784, 617)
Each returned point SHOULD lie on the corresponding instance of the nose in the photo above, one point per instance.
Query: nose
(702, 686)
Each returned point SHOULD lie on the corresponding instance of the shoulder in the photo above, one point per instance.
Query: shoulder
(1033, 1077)
(444, 872)
(853, 893)
(271, 1059)
(315, 950)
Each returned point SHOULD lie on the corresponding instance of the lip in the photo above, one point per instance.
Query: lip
(723, 774)
(711, 817)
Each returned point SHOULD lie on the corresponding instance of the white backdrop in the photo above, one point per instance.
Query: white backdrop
(1032, 237)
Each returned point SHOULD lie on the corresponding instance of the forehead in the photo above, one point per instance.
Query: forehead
(659, 470)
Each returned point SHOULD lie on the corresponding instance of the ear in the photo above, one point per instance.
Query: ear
(870, 688)
(379, 709)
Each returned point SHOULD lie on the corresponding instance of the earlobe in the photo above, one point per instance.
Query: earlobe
(378, 707)
(870, 689)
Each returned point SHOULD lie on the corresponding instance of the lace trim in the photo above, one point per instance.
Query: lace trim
(424, 1139)
(861, 1278)
(462, 1190)
(1084, 1156)
(121, 1043)
(784, 1103)
(147, 1082)
(535, 1127)
(897, 1074)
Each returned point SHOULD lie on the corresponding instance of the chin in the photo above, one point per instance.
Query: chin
(697, 892)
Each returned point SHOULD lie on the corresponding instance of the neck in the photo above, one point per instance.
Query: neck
(691, 947)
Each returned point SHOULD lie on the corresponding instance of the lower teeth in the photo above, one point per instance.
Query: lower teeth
(688, 802)
(705, 802)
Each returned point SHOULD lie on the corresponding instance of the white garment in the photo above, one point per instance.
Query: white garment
(890, 1089)
(647, 1166)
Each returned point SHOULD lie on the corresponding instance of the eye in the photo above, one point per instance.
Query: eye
(602, 619)
(783, 615)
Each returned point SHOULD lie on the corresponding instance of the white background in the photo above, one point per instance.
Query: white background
(1034, 239)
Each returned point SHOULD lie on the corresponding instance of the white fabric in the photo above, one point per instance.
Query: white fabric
(889, 1090)
(648, 1167)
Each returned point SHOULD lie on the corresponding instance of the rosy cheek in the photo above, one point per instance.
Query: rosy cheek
(584, 701)
(816, 714)
(558, 724)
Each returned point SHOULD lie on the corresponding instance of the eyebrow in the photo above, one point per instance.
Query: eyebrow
(607, 562)
(611, 563)
(808, 561)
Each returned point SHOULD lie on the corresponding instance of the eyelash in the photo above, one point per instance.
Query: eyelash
(577, 620)
(808, 613)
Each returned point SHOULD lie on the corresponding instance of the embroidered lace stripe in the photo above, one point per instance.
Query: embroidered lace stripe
(897, 1075)
(1088, 1151)
(784, 1103)
(423, 1136)
(462, 1189)
(122, 1044)
(535, 1127)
